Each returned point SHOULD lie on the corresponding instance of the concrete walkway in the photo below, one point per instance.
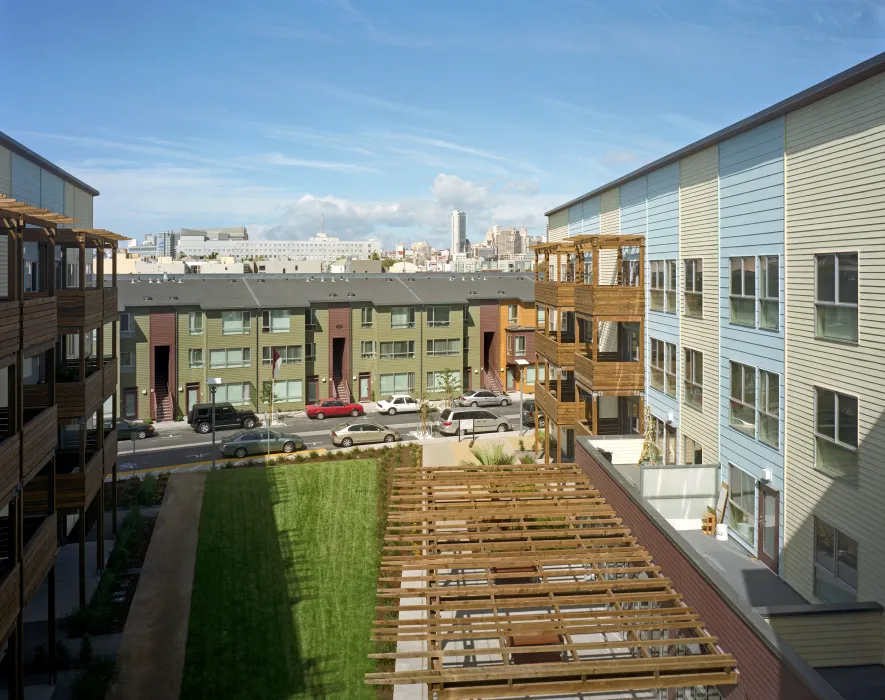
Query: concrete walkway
(152, 652)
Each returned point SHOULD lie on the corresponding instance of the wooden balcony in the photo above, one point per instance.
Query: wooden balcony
(583, 429)
(10, 470)
(562, 413)
(39, 556)
(609, 300)
(39, 439)
(110, 451)
(82, 308)
(39, 321)
(559, 294)
(10, 603)
(109, 377)
(10, 332)
(110, 304)
(77, 490)
(616, 377)
(78, 399)
(559, 354)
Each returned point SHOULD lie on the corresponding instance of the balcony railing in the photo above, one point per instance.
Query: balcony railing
(560, 354)
(39, 439)
(39, 321)
(602, 375)
(38, 556)
(80, 307)
(109, 376)
(109, 295)
(77, 490)
(559, 294)
(10, 333)
(562, 410)
(76, 399)
(10, 603)
(110, 450)
(609, 300)
(10, 453)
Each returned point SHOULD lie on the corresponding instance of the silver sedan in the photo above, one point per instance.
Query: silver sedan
(483, 397)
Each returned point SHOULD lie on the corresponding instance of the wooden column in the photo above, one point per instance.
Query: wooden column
(594, 427)
(81, 277)
(16, 640)
(642, 267)
(536, 423)
(594, 275)
(620, 277)
(546, 439)
(82, 557)
(99, 266)
(114, 265)
(537, 270)
(99, 535)
(594, 338)
(82, 353)
(51, 612)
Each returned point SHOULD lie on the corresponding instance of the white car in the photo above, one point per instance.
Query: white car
(398, 403)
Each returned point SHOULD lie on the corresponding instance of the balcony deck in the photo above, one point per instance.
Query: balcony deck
(39, 556)
(10, 452)
(77, 490)
(562, 413)
(609, 300)
(110, 303)
(78, 399)
(39, 322)
(39, 439)
(559, 294)
(10, 333)
(109, 377)
(10, 589)
(624, 378)
(81, 308)
(559, 354)
(110, 450)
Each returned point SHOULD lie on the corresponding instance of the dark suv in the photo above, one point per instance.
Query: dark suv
(226, 416)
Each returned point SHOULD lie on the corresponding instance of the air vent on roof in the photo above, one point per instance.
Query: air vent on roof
(472, 292)
(148, 298)
(500, 291)
(389, 279)
(174, 298)
(332, 294)
(351, 294)
(411, 279)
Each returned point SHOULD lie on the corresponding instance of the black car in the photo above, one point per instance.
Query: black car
(132, 429)
(226, 416)
(528, 414)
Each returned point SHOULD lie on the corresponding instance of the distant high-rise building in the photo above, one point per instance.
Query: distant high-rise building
(459, 232)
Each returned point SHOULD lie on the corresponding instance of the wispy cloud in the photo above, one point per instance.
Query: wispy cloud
(289, 161)
(375, 102)
(583, 110)
(690, 124)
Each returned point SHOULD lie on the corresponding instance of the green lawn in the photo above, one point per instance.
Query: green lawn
(284, 586)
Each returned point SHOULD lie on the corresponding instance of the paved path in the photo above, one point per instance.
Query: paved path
(154, 640)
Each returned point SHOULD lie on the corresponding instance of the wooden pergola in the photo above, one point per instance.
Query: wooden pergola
(519, 580)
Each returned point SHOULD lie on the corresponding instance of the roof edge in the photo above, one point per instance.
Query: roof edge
(25, 152)
(856, 74)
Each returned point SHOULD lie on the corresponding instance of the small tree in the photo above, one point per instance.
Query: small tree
(451, 385)
(374, 255)
(266, 397)
(651, 453)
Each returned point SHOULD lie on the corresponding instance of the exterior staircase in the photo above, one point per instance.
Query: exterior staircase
(164, 403)
(491, 381)
(341, 389)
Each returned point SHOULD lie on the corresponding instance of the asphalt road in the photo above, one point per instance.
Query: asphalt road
(182, 446)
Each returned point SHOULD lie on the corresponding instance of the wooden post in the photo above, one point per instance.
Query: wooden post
(99, 536)
(114, 265)
(594, 273)
(51, 613)
(81, 277)
(642, 267)
(536, 422)
(99, 265)
(546, 439)
(594, 428)
(594, 338)
(82, 557)
(82, 353)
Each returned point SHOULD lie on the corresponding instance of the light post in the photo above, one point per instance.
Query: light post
(213, 385)
(522, 365)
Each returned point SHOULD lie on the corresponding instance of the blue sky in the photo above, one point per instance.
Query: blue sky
(384, 115)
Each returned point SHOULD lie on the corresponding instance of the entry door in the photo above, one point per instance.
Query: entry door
(193, 396)
(365, 387)
(769, 526)
(313, 389)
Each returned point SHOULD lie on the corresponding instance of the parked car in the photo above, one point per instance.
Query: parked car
(348, 434)
(132, 429)
(398, 403)
(226, 416)
(471, 420)
(482, 397)
(334, 408)
(259, 442)
(528, 414)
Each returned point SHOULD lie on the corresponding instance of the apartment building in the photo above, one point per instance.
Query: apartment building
(59, 374)
(319, 247)
(763, 260)
(360, 337)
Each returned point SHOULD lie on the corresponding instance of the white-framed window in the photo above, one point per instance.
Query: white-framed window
(519, 346)
(397, 350)
(692, 451)
(542, 317)
(195, 322)
(742, 291)
(694, 288)
(435, 381)
(288, 390)
(195, 358)
(367, 349)
(656, 285)
(275, 321)
(694, 378)
(835, 432)
(442, 347)
(367, 317)
(437, 317)
(310, 352)
(235, 322)
(835, 564)
(769, 292)
(402, 317)
(665, 440)
(512, 314)
(226, 358)
(397, 383)
(670, 292)
(127, 359)
(238, 393)
(670, 369)
(126, 326)
(289, 355)
(835, 296)
(530, 375)
(742, 414)
(769, 407)
(657, 363)
(742, 504)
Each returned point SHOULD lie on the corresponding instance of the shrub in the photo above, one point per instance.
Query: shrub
(94, 680)
(148, 491)
(85, 650)
(495, 454)
(526, 459)
(313, 454)
(521, 445)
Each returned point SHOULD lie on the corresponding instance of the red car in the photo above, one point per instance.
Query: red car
(333, 407)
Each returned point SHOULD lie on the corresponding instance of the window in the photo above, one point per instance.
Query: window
(657, 285)
(742, 504)
(33, 255)
(694, 378)
(195, 358)
(694, 453)
(530, 375)
(311, 323)
(238, 394)
(657, 364)
(402, 317)
(835, 564)
(743, 291)
(400, 383)
(310, 352)
(230, 357)
(443, 347)
(126, 327)
(275, 321)
(519, 346)
(289, 355)
(665, 441)
(835, 299)
(694, 288)
(742, 415)
(367, 317)
(542, 317)
(235, 322)
(512, 314)
(835, 430)
(288, 390)
(398, 350)
(437, 317)
(671, 286)
(129, 400)
(367, 349)
(670, 370)
(436, 381)
(195, 322)
(769, 407)
(127, 359)
(769, 292)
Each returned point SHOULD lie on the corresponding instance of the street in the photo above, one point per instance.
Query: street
(181, 447)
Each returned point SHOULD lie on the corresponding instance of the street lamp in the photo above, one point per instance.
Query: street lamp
(522, 365)
(213, 384)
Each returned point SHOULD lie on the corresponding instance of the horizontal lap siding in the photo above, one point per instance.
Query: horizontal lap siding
(141, 320)
(5, 171)
(827, 640)
(52, 192)
(25, 180)
(610, 212)
(388, 334)
(455, 330)
(751, 211)
(474, 354)
(358, 335)
(215, 338)
(575, 219)
(557, 226)
(82, 208)
(699, 238)
(836, 202)
(590, 212)
(187, 342)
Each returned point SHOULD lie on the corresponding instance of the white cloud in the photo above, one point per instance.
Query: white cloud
(280, 159)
